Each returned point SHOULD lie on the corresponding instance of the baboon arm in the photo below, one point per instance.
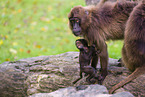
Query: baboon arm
(136, 73)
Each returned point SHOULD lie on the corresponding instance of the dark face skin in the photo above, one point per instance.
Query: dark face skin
(82, 45)
(76, 29)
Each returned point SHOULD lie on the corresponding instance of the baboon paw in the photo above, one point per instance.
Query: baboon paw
(100, 79)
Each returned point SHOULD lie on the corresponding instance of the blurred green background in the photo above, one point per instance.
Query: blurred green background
(30, 28)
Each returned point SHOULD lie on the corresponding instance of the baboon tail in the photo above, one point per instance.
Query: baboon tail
(136, 73)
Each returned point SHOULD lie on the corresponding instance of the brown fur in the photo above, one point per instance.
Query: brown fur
(103, 22)
(85, 57)
(133, 51)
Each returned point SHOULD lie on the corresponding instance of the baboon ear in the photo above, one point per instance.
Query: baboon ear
(86, 12)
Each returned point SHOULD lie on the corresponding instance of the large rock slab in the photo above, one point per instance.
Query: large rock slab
(45, 74)
(83, 91)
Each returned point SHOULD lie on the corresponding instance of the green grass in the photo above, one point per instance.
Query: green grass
(30, 28)
(114, 49)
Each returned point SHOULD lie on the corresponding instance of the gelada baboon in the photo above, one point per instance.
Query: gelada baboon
(85, 57)
(100, 23)
(133, 51)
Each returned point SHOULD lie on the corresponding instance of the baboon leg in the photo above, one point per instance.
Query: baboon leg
(136, 73)
(104, 64)
(92, 73)
(124, 55)
(88, 79)
(94, 61)
(120, 63)
(78, 78)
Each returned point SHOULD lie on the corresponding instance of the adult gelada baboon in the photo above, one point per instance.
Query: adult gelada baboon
(133, 51)
(100, 23)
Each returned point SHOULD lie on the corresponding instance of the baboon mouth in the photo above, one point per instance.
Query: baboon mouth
(77, 33)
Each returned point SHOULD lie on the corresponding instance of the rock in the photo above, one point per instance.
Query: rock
(95, 2)
(122, 94)
(88, 91)
(45, 74)
(12, 81)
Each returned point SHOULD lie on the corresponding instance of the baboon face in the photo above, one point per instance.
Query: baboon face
(76, 28)
(78, 20)
(82, 45)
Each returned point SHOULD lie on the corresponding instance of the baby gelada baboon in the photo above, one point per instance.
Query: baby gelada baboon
(85, 57)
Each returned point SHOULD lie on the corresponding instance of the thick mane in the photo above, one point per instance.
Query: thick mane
(110, 19)
(107, 22)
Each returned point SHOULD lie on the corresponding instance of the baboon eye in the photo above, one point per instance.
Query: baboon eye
(72, 21)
